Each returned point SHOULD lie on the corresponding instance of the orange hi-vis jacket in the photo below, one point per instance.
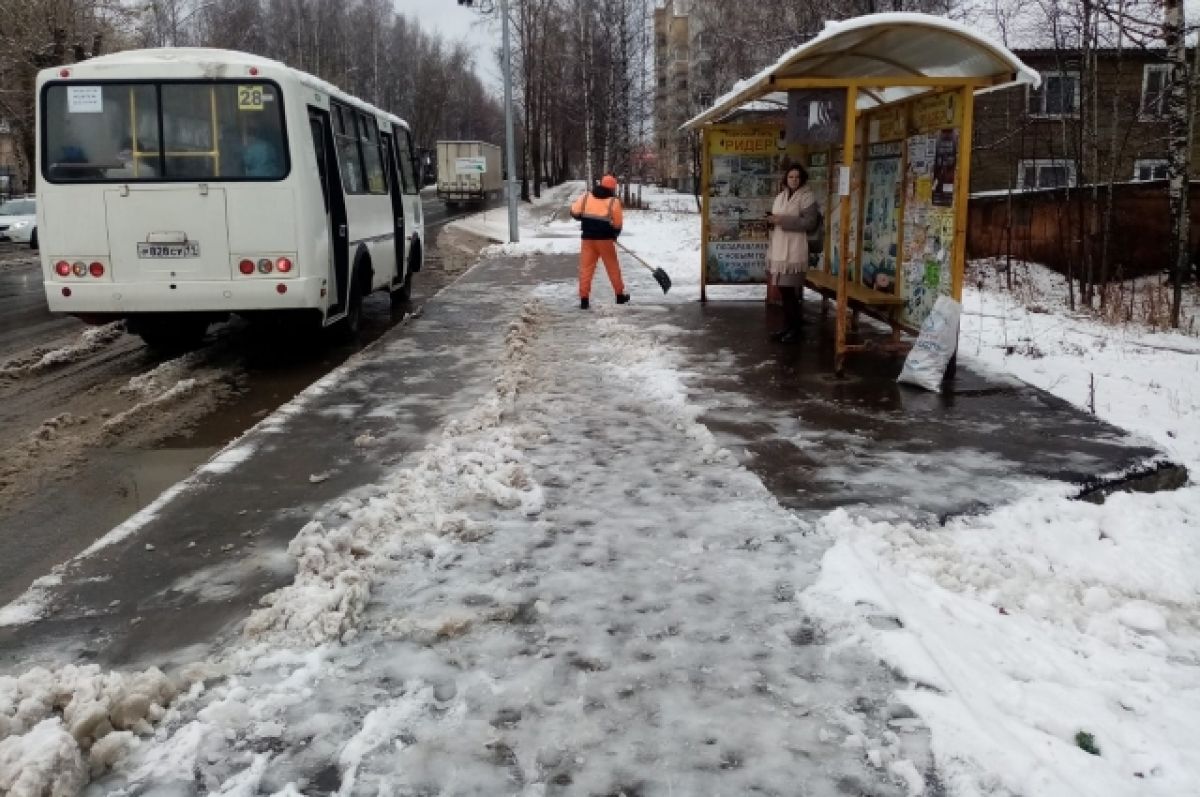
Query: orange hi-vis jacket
(601, 217)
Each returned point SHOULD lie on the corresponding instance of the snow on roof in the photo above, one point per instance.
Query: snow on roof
(773, 103)
(883, 45)
(211, 62)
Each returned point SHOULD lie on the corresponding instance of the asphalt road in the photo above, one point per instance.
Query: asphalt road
(71, 468)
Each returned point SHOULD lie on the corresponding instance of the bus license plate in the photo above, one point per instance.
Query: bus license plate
(169, 251)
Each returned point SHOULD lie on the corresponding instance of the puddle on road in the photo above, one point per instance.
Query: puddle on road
(146, 474)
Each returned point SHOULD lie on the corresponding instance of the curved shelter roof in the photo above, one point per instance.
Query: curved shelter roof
(889, 56)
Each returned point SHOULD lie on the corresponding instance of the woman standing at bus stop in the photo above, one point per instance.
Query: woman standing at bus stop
(793, 215)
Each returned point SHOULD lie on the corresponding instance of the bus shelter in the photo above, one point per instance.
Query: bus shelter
(879, 111)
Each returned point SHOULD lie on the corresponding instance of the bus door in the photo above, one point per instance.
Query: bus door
(335, 205)
(389, 152)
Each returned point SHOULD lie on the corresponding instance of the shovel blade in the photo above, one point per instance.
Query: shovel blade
(663, 279)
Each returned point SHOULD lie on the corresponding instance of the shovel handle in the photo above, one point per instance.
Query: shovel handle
(630, 252)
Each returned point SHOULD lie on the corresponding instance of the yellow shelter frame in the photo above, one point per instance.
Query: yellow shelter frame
(881, 61)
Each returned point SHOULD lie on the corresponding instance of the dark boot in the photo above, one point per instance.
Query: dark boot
(622, 298)
(583, 303)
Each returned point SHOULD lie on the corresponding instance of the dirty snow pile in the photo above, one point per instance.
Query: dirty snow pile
(58, 729)
(86, 343)
(476, 457)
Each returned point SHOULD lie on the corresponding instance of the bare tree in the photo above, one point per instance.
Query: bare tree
(1178, 150)
(41, 33)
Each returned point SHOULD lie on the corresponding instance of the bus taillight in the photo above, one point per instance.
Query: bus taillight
(78, 268)
(281, 288)
(284, 265)
(96, 269)
(62, 268)
(246, 267)
(265, 266)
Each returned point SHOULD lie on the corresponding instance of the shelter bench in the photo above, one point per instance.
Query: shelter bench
(884, 306)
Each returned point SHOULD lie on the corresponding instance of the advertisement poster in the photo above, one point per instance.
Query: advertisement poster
(886, 125)
(945, 160)
(737, 262)
(745, 169)
(834, 244)
(815, 117)
(880, 220)
(936, 111)
(928, 233)
(818, 181)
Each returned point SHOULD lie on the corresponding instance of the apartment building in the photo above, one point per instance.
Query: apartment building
(672, 94)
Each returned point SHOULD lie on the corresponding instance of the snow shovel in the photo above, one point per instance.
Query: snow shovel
(661, 277)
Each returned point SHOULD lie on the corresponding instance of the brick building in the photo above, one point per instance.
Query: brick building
(1105, 121)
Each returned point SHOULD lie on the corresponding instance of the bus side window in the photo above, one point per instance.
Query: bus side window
(349, 160)
(406, 164)
(372, 159)
(348, 157)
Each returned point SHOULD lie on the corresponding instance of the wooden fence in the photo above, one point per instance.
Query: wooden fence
(1062, 228)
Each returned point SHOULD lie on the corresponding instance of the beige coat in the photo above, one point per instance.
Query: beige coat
(788, 252)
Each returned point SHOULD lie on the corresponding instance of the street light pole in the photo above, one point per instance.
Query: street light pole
(513, 234)
(511, 188)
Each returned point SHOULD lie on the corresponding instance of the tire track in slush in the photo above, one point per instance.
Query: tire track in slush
(102, 400)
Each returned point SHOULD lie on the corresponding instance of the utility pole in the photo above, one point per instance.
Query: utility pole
(511, 186)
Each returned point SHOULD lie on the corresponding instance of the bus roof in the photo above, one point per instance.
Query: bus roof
(208, 62)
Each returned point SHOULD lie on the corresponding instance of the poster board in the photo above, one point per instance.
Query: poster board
(929, 186)
(834, 242)
(743, 169)
(881, 212)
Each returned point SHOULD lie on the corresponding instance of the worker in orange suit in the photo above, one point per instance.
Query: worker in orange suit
(600, 216)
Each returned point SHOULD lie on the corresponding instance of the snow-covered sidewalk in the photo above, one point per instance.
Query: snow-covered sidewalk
(549, 599)
(575, 589)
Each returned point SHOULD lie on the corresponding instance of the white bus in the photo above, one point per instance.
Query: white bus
(180, 185)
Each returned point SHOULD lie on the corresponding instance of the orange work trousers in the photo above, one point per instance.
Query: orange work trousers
(589, 253)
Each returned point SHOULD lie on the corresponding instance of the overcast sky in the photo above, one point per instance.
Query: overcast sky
(453, 23)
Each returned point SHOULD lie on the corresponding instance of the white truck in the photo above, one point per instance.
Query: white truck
(468, 172)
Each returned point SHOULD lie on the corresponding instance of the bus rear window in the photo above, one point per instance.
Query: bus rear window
(209, 131)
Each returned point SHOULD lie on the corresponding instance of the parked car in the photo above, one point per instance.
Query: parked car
(18, 221)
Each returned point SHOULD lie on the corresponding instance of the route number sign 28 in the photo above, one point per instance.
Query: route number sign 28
(250, 98)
